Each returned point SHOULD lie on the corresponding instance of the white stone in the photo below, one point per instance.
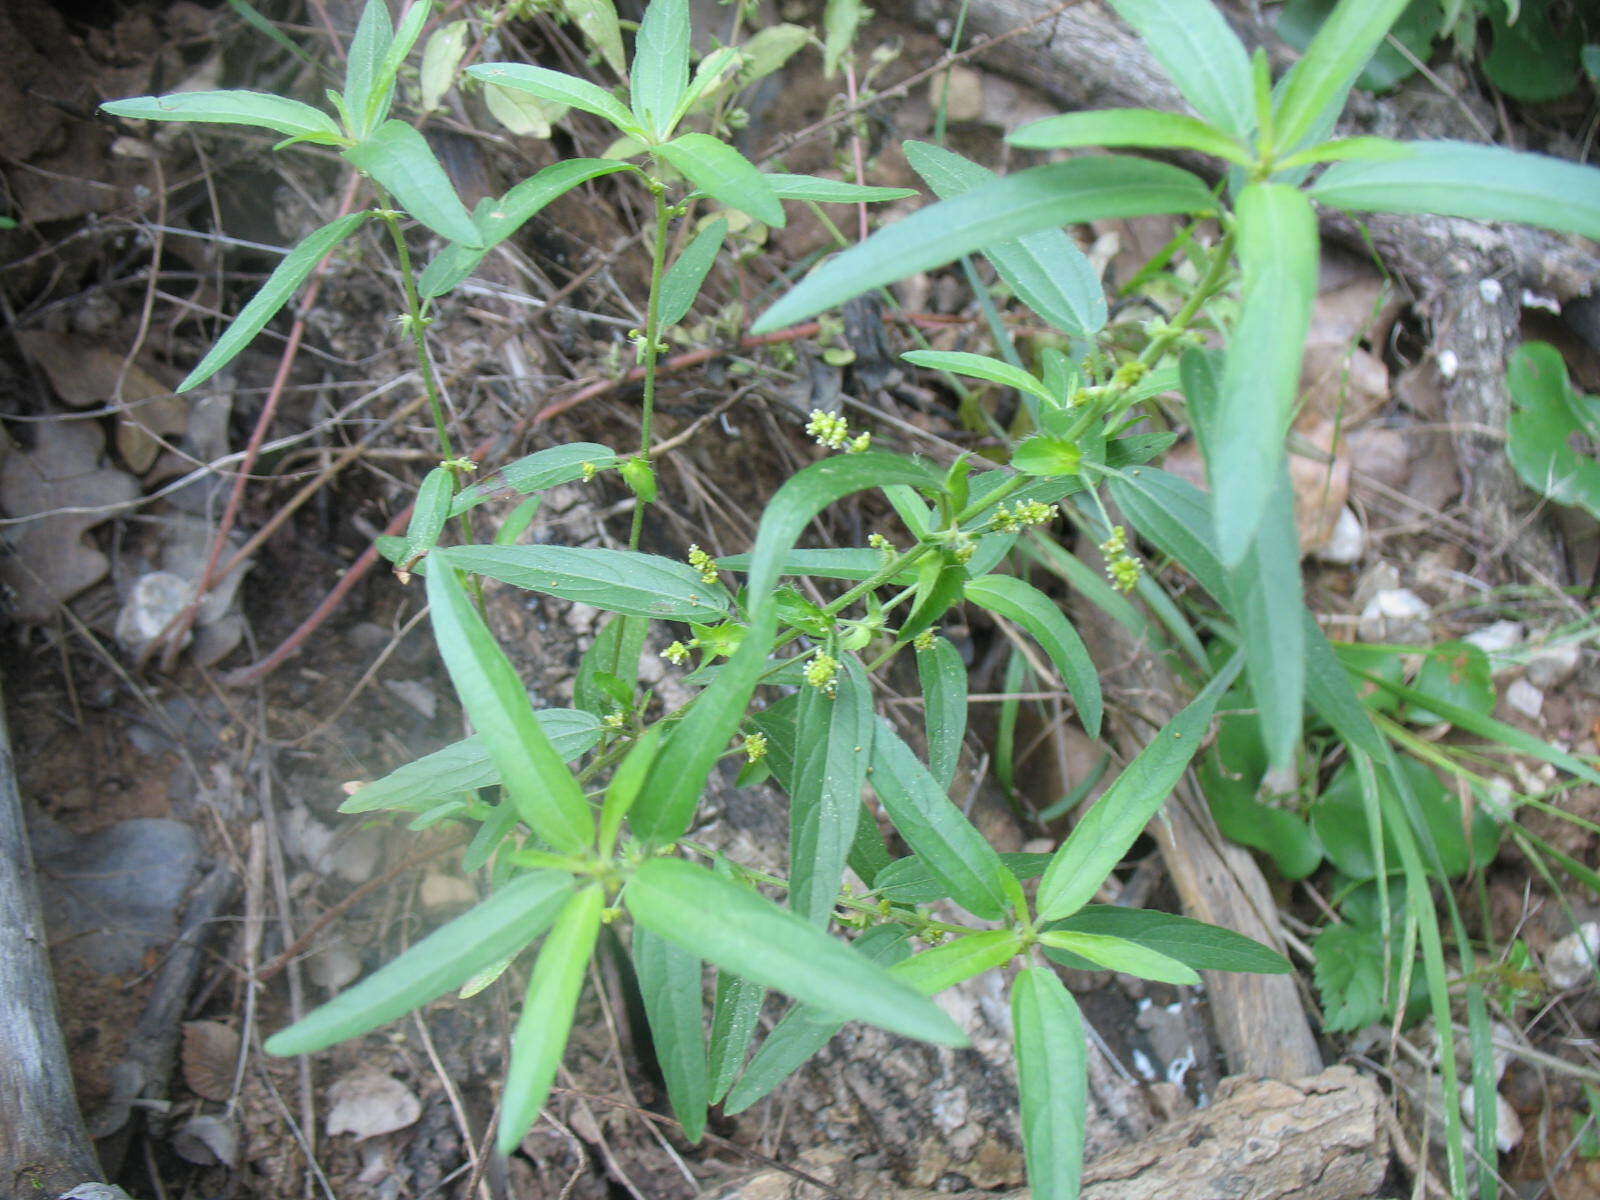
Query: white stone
(447, 891)
(1347, 543)
(1552, 665)
(1525, 698)
(1395, 615)
(153, 601)
(335, 965)
(368, 1103)
(1571, 960)
(1497, 638)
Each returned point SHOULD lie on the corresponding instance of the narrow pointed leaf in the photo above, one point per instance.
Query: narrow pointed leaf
(538, 471)
(669, 982)
(405, 36)
(1045, 268)
(430, 512)
(724, 174)
(545, 792)
(1130, 127)
(284, 282)
(277, 113)
(1081, 189)
(1101, 840)
(684, 278)
(944, 707)
(834, 745)
(1019, 601)
(365, 88)
(541, 1036)
(979, 366)
(1204, 947)
(968, 956)
(446, 47)
(909, 881)
(622, 581)
(660, 64)
(745, 933)
(1117, 954)
(626, 781)
(733, 1027)
(1175, 516)
(831, 191)
(1200, 53)
(1460, 179)
(559, 88)
(1321, 81)
(399, 159)
(1052, 1082)
(493, 930)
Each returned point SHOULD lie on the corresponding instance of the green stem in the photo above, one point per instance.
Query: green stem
(417, 323)
(652, 342)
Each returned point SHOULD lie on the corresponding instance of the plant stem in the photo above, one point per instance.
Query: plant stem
(418, 326)
(652, 345)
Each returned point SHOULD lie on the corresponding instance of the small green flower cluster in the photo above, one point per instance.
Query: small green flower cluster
(882, 545)
(704, 563)
(677, 654)
(833, 431)
(1122, 568)
(1012, 518)
(755, 747)
(822, 673)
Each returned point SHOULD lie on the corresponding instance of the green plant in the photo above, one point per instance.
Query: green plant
(593, 818)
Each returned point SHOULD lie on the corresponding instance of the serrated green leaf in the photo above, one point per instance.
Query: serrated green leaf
(743, 932)
(494, 929)
(943, 677)
(660, 64)
(1102, 838)
(1549, 416)
(622, 581)
(684, 278)
(1349, 975)
(1130, 127)
(1117, 954)
(1080, 189)
(440, 58)
(1319, 84)
(540, 1040)
(1194, 943)
(277, 113)
(1460, 179)
(284, 282)
(724, 174)
(669, 983)
(557, 87)
(980, 366)
(545, 792)
(1045, 268)
(833, 740)
(1052, 1082)
(400, 160)
(1021, 602)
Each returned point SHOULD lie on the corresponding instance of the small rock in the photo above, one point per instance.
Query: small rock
(153, 601)
(580, 617)
(1525, 698)
(335, 965)
(1552, 665)
(369, 1103)
(207, 1142)
(964, 97)
(1347, 543)
(447, 891)
(417, 694)
(1571, 960)
(1496, 639)
(1395, 615)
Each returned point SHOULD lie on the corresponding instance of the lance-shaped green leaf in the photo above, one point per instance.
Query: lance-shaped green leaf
(277, 113)
(399, 159)
(1175, 516)
(909, 881)
(1101, 840)
(1342, 149)
(939, 832)
(734, 1014)
(1019, 601)
(284, 282)
(1130, 127)
(943, 677)
(724, 174)
(626, 782)
(446, 47)
(1081, 189)
(940, 579)
(744, 932)
(1460, 179)
(833, 742)
(484, 935)
(366, 90)
(1195, 943)
(538, 471)
(497, 220)
(405, 39)
(1045, 268)
(1052, 1082)
(623, 581)
(545, 792)
(980, 366)
(1320, 82)
(660, 64)
(967, 956)
(667, 806)
(429, 513)
(1116, 954)
(541, 1035)
(465, 765)
(831, 191)
(669, 982)
(1278, 252)
(559, 88)
(683, 279)
(1199, 51)
(803, 1030)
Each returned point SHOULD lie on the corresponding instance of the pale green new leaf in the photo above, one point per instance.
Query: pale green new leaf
(956, 961)
(669, 983)
(429, 513)
(400, 160)
(545, 792)
(405, 39)
(840, 20)
(598, 20)
(1052, 1082)
(284, 282)
(1081, 189)
(626, 782)
(558, 87)
(831, 191)
(683, 279)
(833, 745)
(277, 113)
(943, 677)
(1102, 838)
(1045, 268)
(440, 58)
(366, 90)
(1146, 127)
(541, 1036)
(1278, 253)
(724, 174)
(520, 113)
(660, 64)
(491, 931)
(1460, 179)
(979, 366)
(1320, 82)
(743, 932)
(1341, 150)
(1200, 53)
(1019, 601)
(624, 581)
(1118, 954)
